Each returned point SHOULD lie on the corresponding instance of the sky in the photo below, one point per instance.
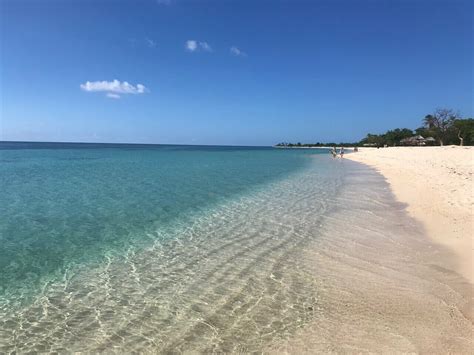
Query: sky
(229, 72)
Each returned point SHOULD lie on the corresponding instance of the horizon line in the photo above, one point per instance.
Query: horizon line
(134, 143)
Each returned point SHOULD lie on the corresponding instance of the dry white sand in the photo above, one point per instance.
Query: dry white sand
(437, 185)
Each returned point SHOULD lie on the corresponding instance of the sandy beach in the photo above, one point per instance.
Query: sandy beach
(436, 184)
(385, 287)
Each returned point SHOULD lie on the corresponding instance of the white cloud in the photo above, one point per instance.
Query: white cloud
(193, 46)
(237, 52)
(113, 89)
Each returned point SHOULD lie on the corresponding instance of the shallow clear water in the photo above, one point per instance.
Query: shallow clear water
(107, 231)
(73, 204)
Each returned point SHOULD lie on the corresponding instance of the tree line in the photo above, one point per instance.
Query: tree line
(445, 126)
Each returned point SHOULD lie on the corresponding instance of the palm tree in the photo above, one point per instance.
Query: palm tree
(429, 121)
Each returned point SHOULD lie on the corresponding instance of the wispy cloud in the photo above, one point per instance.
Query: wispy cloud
(205, 46)
(192, 46)
(150, 43)
(237, 52)
(113, 89)
(111, 95)
(142, 42)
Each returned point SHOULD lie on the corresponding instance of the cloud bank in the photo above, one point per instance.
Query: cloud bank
(192, 46)
(113, 89)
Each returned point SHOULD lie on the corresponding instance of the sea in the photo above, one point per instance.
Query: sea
(173, 248)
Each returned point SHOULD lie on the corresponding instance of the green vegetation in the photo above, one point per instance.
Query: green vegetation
(443, 126)
(392, 137)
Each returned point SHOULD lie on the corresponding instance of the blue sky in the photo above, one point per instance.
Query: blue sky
(229, 72)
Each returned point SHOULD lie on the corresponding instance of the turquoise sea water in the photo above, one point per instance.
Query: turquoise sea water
(64, 204)
(98, 239)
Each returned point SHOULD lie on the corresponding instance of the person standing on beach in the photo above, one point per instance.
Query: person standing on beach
(342, 152)
(333, 152)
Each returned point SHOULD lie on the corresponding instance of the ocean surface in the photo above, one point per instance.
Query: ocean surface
(98, 240)
(162, 248)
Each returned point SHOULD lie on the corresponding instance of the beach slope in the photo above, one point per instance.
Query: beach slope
(436, 184)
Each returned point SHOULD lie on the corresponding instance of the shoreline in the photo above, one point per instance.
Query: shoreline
(436, 185)
(382, 285)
